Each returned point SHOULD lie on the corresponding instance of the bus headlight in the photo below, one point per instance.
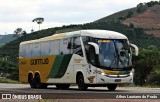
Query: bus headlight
(102, 73)
(131, 73)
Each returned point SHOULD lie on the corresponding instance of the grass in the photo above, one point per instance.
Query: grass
(4, 80)
(138, 86)
(149, 86)
(144, 86)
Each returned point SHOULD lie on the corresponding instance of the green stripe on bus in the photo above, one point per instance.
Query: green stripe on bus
(60, 66)
(64, 66)
(56, 66)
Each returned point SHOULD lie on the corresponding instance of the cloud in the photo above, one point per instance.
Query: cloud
(20, 13)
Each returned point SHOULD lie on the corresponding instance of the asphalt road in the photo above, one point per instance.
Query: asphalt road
(74, 93)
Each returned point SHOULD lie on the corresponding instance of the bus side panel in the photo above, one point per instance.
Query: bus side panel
(23, 70)
(59, 68)
(41, 65)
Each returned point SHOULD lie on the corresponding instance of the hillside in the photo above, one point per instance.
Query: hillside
(149, 20)
(6, 38)
(116, 15)
(145, 15)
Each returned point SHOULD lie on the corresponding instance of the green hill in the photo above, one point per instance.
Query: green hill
(117, 15)
(6, 38)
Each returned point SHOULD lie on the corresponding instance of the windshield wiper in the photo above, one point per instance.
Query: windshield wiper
(117, 55)
(113, 60)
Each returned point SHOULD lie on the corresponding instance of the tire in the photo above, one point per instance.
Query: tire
(37, 82)
(80, 82)
(112, 87)
(31, 81)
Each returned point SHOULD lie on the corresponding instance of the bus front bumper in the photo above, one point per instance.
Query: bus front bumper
(114, 79)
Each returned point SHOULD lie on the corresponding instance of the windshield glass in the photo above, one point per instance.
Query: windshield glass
(114, 53)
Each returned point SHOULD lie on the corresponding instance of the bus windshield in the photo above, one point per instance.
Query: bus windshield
(114, 54)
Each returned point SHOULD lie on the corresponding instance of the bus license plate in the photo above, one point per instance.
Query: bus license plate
(117, 80)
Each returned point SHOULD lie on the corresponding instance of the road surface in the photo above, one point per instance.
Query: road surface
(121, 93)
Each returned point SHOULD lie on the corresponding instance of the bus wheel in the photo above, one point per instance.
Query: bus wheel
(37, 81)
(31, 81)
(112, 87)
(80, 82)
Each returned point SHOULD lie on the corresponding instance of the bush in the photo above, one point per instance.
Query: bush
(14, 75)
(154, 77)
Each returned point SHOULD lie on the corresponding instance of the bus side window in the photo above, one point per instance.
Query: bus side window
(36, 49)
(44, 48)
(85, 40)
(77, 48)
(28, 50)
(54, 47)
(64, 46)
(23, 50)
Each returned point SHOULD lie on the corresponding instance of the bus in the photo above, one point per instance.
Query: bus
(87, 58)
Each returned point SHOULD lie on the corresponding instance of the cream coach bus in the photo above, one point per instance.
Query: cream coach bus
(86, 58)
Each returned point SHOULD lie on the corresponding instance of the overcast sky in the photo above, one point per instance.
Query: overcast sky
(20, 13)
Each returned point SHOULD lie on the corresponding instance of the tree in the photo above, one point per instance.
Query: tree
(147, 64)
(130, 14)
(19, 32)
(24, 33)
(131, 25)
(39, 21)
(130, 33)
(122, 18)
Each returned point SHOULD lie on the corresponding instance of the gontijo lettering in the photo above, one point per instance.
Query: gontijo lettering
(39, 61)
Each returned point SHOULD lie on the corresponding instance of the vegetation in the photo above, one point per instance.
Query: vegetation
(119, 15)
(147, 67)
(147, 64)
(19, 32)
(3, 80)
(6, 38)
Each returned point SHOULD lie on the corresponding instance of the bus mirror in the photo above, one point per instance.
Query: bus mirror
(136, 49)
(69, 45)
(95, 46)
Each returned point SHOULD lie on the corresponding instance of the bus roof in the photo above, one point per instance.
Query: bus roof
(106, 34)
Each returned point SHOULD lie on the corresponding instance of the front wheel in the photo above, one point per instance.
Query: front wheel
(112, 87)
(80, 82)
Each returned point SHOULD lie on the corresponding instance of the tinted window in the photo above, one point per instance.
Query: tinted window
(28, 50)
(64, 46)
(77, 48)
(54, 47)
(44, 48)
(35, 49)
(23, 51)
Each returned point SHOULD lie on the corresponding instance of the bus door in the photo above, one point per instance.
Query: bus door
(80, 63)
(91, 57)
(66, 54)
